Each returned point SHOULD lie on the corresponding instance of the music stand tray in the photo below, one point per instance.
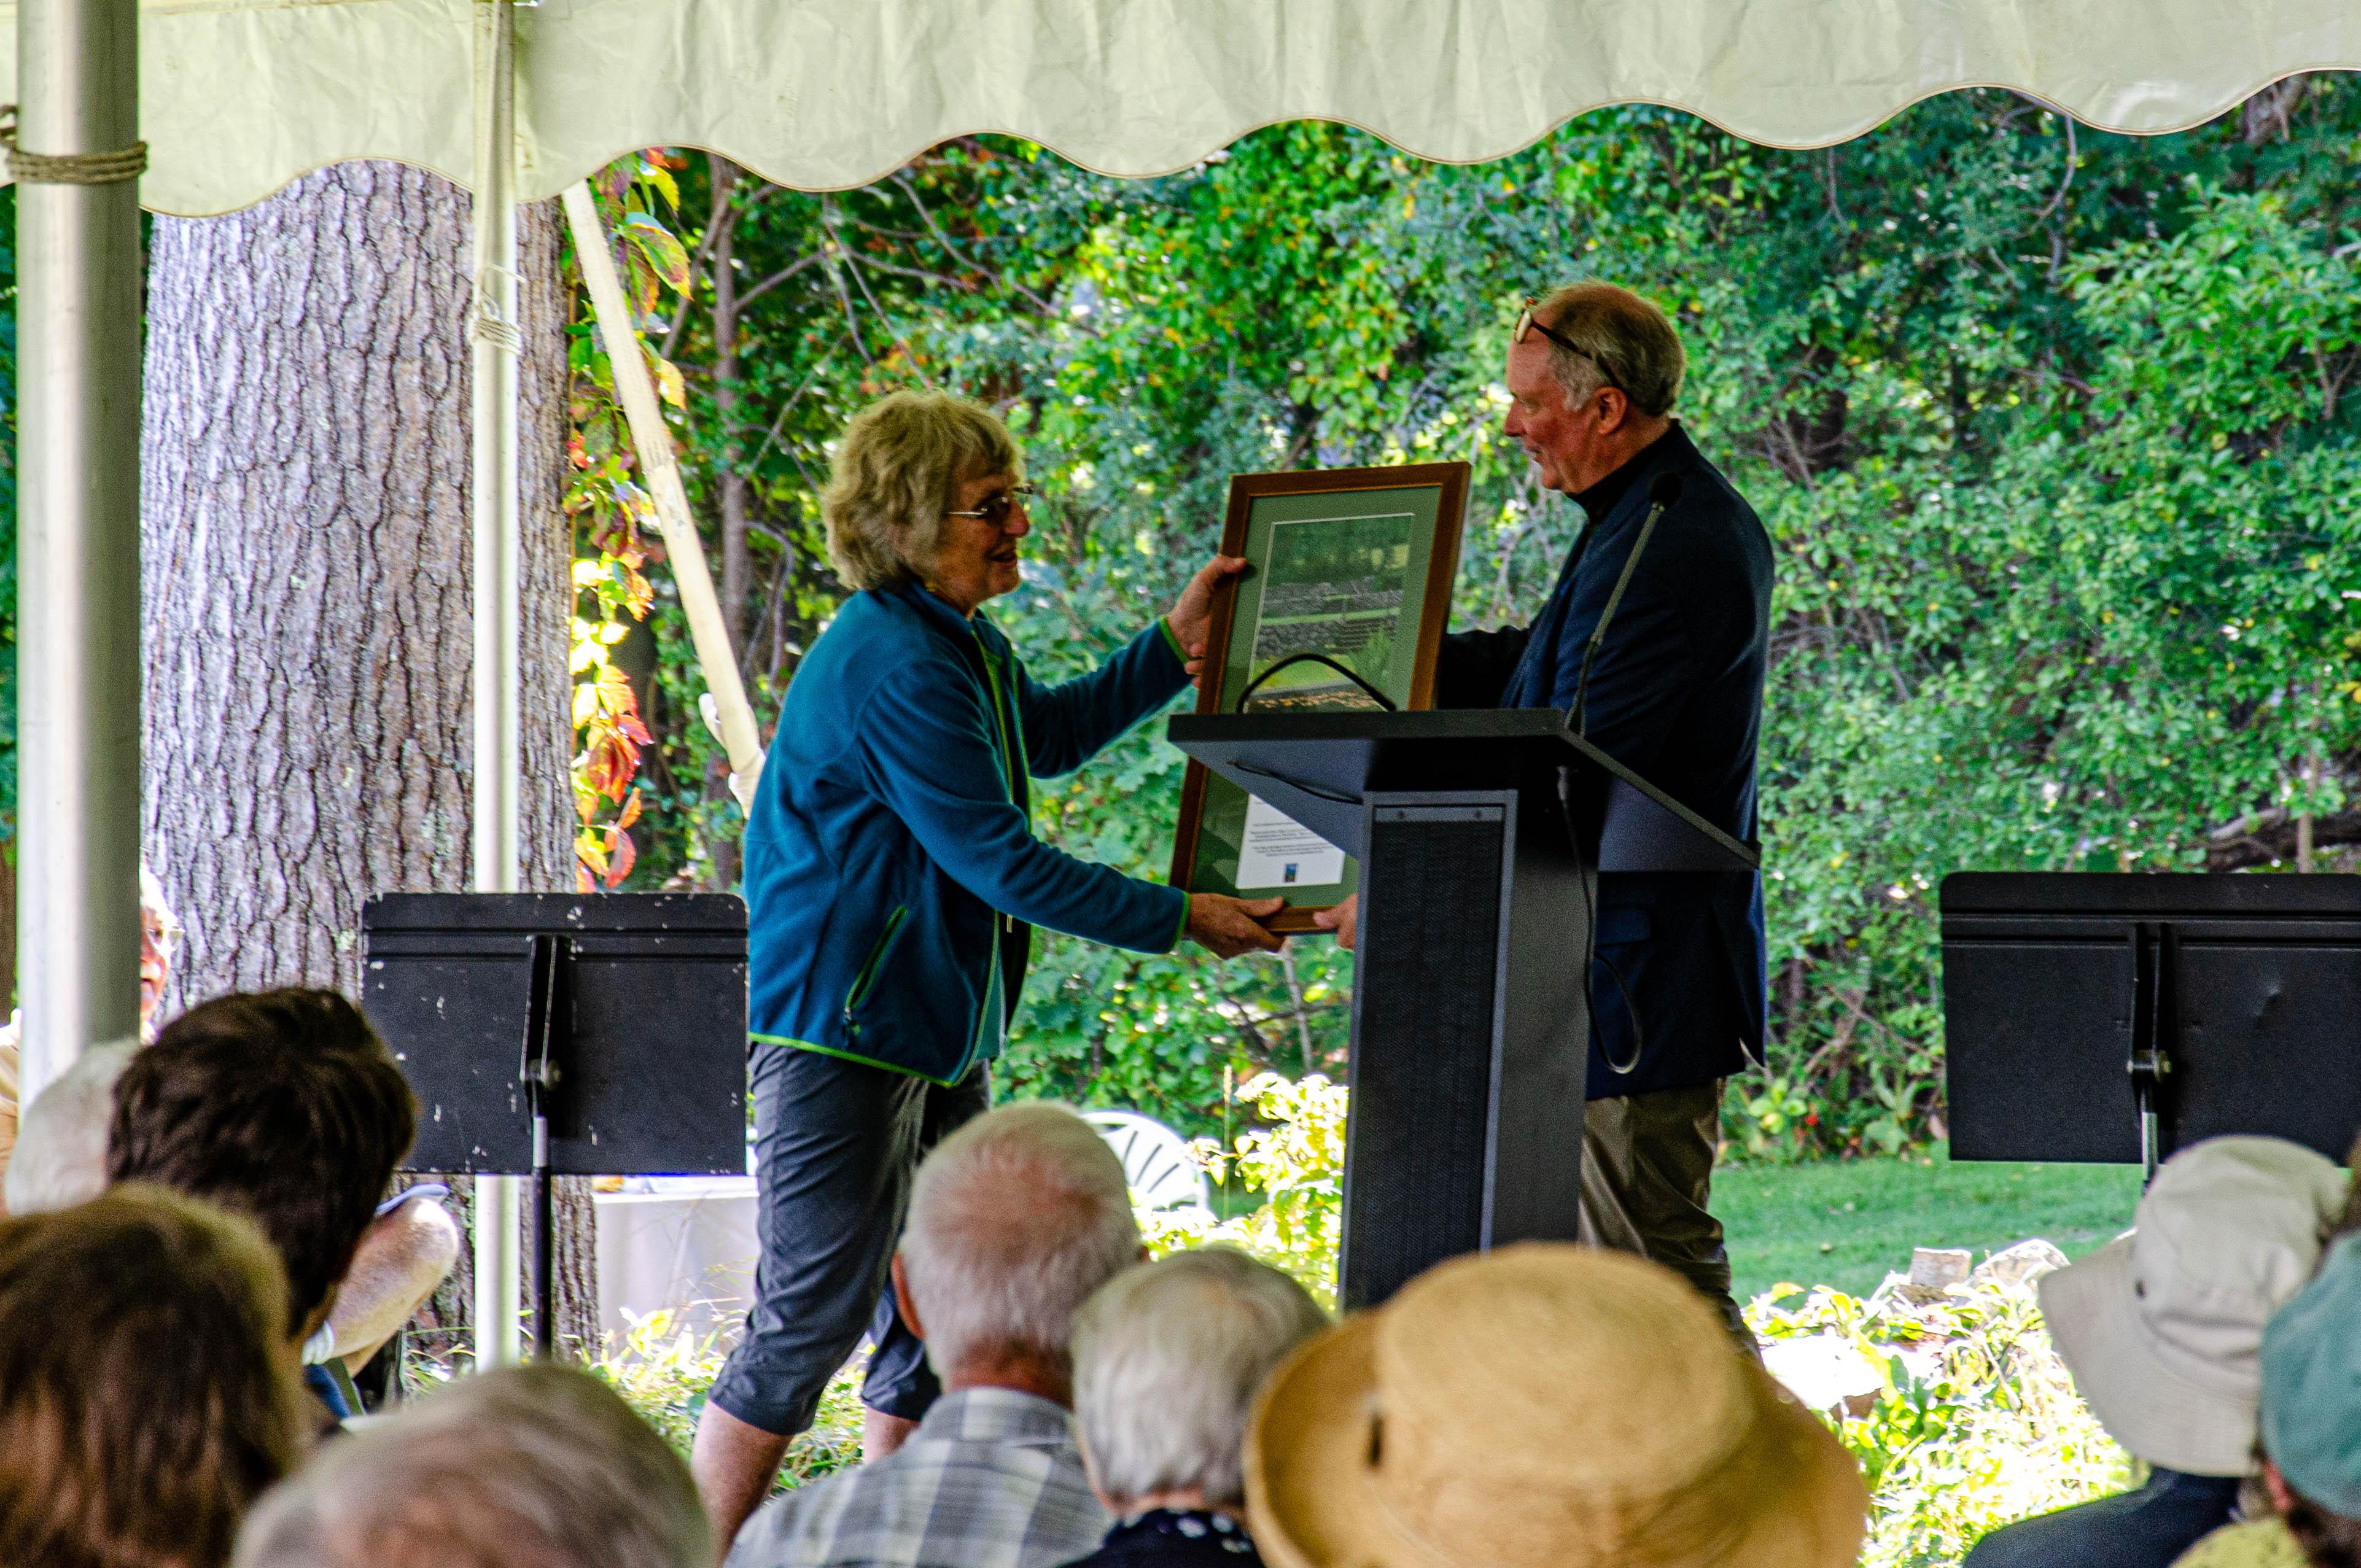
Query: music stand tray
(2114, 1018)
(554, 1034)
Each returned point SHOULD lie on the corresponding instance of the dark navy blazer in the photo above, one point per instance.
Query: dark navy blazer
(1675, 695)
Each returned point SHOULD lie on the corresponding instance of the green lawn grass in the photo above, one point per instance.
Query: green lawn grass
(1846, 1222)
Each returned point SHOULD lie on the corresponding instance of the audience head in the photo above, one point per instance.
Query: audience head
(2162, 1328)
(539, 1466)
(160, 936)
(1168, 1359)
(1542, 1405)
(61, 1156)
(2311, 1410)
(281, 1105)
(1014, 1218)
(146, 1388)
(895, 477)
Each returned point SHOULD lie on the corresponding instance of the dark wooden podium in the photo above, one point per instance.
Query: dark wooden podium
(1480, 833)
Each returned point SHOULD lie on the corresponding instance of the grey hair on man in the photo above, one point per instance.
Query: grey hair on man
(1168, 1358)
(895, 478)
(1015, 1219)
(538, 1466)
(1625, 341)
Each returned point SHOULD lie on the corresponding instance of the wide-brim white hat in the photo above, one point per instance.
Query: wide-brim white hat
(2146, 1404)
(2163, 1328)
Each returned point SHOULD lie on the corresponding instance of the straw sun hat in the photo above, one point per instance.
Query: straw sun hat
(1543, 1404)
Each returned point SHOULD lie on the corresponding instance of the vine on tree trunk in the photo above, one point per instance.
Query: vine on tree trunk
(614, 516)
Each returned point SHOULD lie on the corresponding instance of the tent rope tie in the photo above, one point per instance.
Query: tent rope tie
(72, 168)
(485, 321)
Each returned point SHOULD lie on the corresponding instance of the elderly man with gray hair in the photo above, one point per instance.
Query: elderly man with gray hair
(1168, 1359)
(1016, 1219)
(1654, 641)
(539, 1466)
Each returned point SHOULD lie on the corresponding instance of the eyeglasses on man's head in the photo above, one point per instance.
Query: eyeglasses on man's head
(1526, 324)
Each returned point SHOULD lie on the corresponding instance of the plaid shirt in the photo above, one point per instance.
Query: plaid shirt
(990, 1479)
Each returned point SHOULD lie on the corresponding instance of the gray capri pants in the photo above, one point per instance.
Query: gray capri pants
(837, 1143)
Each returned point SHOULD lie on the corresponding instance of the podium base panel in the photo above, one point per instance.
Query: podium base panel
(1423, 993)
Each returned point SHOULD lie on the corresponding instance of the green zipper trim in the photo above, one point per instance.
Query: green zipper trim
(999, 718)
(867, 977)
(1171, 641)
(857, 1059)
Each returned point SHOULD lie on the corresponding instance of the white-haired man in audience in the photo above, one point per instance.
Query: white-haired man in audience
(1015, 1219)
(1168, 1358)
(537, 1467)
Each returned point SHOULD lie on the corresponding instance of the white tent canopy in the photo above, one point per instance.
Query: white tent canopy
(237, 97)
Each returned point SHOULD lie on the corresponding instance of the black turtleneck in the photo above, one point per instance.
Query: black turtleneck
(1600, 499)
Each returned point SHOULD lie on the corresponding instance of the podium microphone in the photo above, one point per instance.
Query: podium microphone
(1663, 491)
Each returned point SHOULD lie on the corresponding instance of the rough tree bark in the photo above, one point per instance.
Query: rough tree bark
(304, 546)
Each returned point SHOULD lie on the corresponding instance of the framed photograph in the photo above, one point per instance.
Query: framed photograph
(1344, 601)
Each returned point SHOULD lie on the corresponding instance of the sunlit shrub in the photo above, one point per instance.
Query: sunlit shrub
(664, 1370)
(1296, 1164)
(1974, 1421)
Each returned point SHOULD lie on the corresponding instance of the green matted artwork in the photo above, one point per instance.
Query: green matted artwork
(1347, 591)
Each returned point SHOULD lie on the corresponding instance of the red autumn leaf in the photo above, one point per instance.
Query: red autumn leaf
(622, 855)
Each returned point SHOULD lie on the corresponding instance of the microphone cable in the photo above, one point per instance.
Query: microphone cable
(1663, 491)
(1254, 685)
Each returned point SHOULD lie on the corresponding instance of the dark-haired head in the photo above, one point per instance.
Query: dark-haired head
(281, 1105)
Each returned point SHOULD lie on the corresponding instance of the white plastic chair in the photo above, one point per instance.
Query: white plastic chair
(1156, 1162)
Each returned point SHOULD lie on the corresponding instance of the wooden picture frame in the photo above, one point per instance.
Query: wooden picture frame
(1407, 521)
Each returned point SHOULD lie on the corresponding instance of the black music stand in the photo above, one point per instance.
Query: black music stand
(2115, 1019)
(1479, 832)
(559, 1035)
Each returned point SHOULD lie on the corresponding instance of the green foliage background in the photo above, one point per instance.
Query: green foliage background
(2053, 429)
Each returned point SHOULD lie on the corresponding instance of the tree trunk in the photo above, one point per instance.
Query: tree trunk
(306, 547)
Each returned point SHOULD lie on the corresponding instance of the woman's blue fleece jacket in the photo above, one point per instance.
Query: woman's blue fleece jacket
(892, 873)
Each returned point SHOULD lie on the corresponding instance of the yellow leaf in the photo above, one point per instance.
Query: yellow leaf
(669, 386)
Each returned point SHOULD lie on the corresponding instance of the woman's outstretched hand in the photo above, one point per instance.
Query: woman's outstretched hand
(1226, 926)
(1192, 615)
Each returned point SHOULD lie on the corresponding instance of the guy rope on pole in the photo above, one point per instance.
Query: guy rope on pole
(72, 168)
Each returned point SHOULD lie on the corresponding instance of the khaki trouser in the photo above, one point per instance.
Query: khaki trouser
(1647, 1176)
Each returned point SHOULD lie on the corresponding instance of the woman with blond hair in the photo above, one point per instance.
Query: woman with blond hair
(147, 1392)
(892, 881)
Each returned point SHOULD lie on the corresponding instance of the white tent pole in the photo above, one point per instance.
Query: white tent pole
(651, 440)
(499, 752)
(78, 527)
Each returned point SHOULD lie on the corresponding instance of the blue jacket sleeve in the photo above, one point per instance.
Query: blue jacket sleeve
(926, 746)
(1472, 668)
(1068, 723)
